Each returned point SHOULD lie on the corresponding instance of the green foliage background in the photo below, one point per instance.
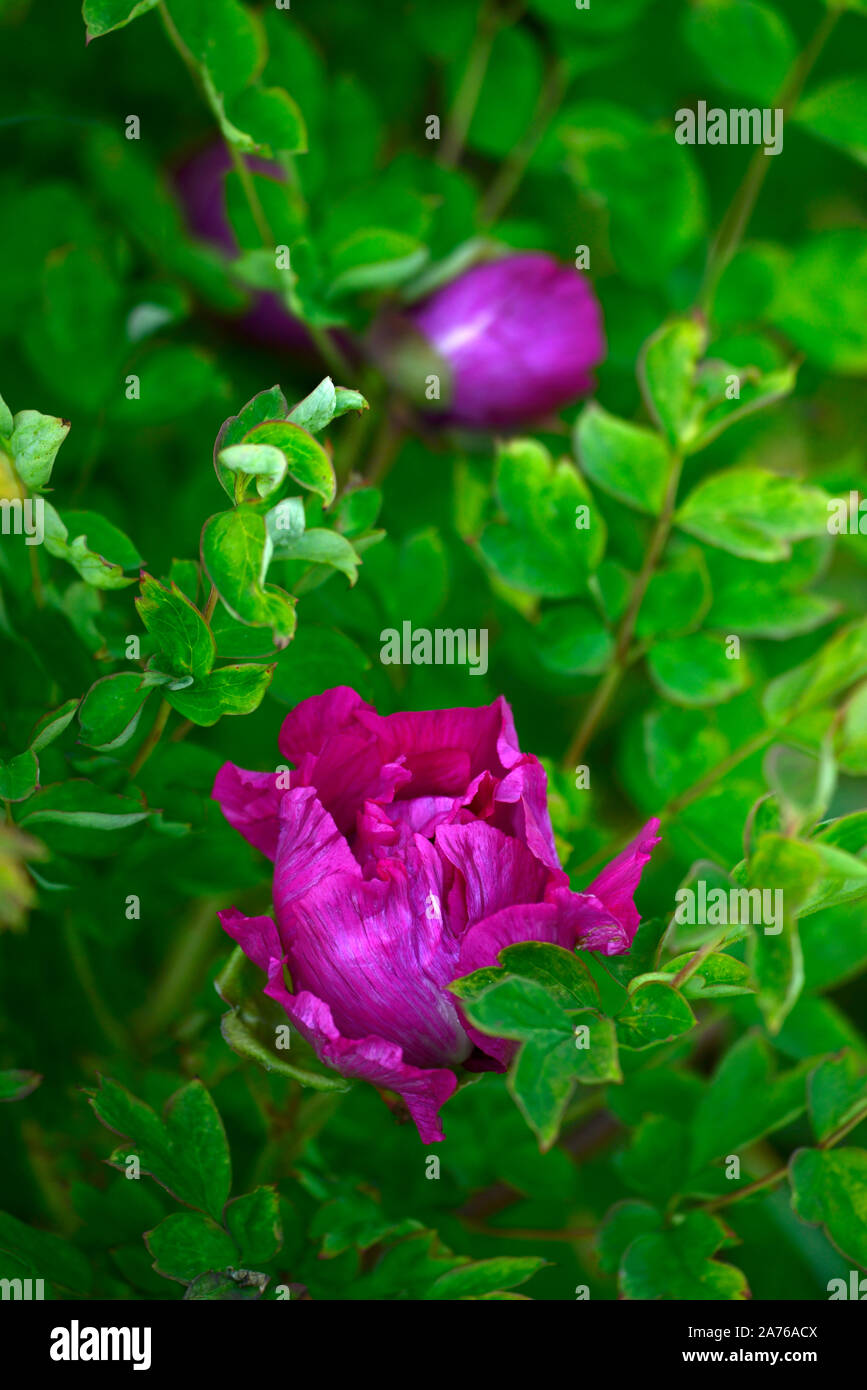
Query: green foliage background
(708, 520)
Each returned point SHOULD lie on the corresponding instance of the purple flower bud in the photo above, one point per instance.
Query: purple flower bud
(408, 851)
(516, 338)
(201, 186)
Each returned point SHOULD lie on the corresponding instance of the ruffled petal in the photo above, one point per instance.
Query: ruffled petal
(616, 885)
(250, 801)
(371, 1058)
(310, 726)
(310, 848)
(521, 809)
(257, 936)
(339, 755)
(430, 740)
(497, 871)
(380, 950)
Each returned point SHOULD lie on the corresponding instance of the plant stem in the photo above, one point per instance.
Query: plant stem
(152, 739)
(464, 105)
(740, 211)
(611, 679)
(504, 187)
(778, 1174)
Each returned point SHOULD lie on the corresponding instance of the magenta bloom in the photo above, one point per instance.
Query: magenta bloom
(408, 851)
(519, 337)
(201, 186)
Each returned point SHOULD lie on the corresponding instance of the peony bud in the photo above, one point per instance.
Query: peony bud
(513, 339)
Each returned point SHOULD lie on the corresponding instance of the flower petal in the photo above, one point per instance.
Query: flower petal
(380, 950)
(257, 936)
(371, 1058)
(310, 848)
(616, 885)
(250, 801)
(497, 871)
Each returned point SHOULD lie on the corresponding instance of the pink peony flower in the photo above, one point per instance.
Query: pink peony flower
(408, 849)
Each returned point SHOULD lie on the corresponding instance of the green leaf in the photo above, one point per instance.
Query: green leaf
(822, 302)
(225, 41)
(35, 441)
(628, 461)
(695, 671)
(513, 1008)
(622, 1225)
(572, 640)
(561, 973)
(541, 1080)
(254, 1223)
(247, 1042)
(110, 711)
(837, 1092)
(835, 112)
(656, 1160)
(236, 689)
(19, 776)
(717, 977)
(654, 196)
(267, 119)
(187, 1244)
(355, 1222)
(185, 644)
(260, 461)
(101, 16)
(15, 1084)
(44, 1256)
(481, 1277)
(236, 1286)
(318, 409)
(829, 1189)
(267, 405)
(842, 878)
(186, 1152)
(677, 1263)
(545, 547)
(79, 818)
(236, 553)
(374, 258)
(97, 551)
(654, 1013)
(195, 1130)
(753, 513)
(746, 47)
(306, 460)
(726, 394)
(52, 725)
(677, 597)
(318, 546)
(745, 1100)
(325, 403)
(837, 665)
(595, 1058)
(666, 370)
